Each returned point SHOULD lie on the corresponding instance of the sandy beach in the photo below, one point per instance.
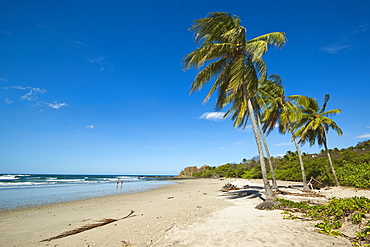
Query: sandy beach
(189, 213)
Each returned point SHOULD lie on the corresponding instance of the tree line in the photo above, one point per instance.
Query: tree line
(352, 165)
(242, 84)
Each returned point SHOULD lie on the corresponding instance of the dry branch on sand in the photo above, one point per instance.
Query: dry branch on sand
(305, 193)
(87, 227)
(228, 187)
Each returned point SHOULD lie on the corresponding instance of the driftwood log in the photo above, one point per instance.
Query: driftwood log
(87, 227)
(304, 194)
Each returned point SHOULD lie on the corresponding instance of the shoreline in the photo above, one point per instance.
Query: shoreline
(23, 197)
(67, 202)
(155, 209)
(192, 212)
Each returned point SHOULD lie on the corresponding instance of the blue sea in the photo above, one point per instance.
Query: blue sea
(24, 190)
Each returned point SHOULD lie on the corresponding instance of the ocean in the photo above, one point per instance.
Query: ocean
(25, 190)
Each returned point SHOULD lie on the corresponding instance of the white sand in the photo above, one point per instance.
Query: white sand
(191, 213)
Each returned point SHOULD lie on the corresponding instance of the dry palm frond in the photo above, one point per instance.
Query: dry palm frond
(87, 227)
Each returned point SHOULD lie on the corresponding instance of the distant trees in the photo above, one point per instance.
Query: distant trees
(352, 167)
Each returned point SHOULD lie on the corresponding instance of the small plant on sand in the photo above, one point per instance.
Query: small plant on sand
(364, 235)
(288, 204)
(333, 215)
(289, 216)
(328, 227)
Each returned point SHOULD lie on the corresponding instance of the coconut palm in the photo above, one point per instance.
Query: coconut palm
(239, 114)
(269, 159)
(314, 126)
(234, 63)
(282, 111)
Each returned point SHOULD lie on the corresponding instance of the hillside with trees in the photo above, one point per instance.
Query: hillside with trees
(352, 167)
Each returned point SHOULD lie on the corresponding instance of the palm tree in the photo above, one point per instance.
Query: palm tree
(240, 116)
(269, 159)
(235, 63)
(314, 126)
(282, 111)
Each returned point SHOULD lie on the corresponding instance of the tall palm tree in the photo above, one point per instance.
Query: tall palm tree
(269, 159)
(234, 63)
(314, 126)
(239, 114)
(283, 111)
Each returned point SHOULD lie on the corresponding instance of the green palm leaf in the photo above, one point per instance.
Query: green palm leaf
(277, 39)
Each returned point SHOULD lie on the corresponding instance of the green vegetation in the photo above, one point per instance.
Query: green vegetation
(352, 166)
(333, 215)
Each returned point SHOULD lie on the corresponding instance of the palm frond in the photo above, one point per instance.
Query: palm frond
(276, 79)
(235, 36)
(331, 112)
(277, 39)
(260, 67)
(300, 100)
(207, 74)
(257, 49)
(211, 28)
(335, 127)
(326, 99)
(222, 79)
(312, 107)
(207, 53)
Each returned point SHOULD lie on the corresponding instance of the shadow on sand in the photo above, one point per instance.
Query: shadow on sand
(249, 193)
(253, 192)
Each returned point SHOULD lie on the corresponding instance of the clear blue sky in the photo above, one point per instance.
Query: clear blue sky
(97, 87)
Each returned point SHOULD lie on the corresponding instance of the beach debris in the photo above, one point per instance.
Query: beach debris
(317, 184)
(125, 244)
(87, 227)
(228, 187)
(304, 194)
(170, 197)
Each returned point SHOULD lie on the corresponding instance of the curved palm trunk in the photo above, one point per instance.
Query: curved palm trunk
(274, 184)
(331, 164)
(269, 193)
(304, 180)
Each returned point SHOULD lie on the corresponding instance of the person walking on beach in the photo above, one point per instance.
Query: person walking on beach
(117, 184)
(121, 183)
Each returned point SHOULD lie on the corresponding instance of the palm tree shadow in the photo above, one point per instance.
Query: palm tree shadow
(253, 192)
(250, 193)
(295, 186)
